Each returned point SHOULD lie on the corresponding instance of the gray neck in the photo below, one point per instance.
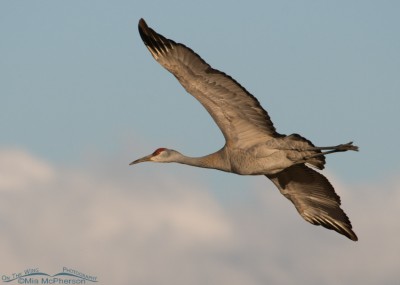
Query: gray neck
(217, 160)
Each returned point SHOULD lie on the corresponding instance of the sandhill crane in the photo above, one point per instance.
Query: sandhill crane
(253, 146)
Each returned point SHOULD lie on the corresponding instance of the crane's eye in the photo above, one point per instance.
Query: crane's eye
(158, 151)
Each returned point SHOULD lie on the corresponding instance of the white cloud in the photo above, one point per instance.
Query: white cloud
(134, 227)
(19, 170)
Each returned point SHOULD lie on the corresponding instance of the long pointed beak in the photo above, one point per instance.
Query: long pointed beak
(143, 159)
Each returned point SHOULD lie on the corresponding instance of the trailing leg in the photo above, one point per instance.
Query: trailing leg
(340, 147)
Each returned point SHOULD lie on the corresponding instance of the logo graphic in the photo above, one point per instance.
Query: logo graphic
(35, 276)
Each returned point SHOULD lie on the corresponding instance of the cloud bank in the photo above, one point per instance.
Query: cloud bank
(146, 227)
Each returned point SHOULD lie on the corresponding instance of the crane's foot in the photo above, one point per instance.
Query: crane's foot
(346, 147)
(337, 148)
(332, 149)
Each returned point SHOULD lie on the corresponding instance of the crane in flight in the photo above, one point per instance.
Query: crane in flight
(253, 146)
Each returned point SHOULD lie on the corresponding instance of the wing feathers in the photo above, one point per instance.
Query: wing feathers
(236, 112)
(314, 198)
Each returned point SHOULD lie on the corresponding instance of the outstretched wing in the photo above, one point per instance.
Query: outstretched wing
(314, 198)
(237, 113)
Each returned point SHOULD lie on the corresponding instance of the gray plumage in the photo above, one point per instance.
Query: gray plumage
(253, 146)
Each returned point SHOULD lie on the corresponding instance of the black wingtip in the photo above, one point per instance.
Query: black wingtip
(347, 231)
(142, 24)
(142, 27)
(156, 43)
(352, 235)
(147, 35)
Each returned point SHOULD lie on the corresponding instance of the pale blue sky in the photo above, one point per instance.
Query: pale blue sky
(76, 76)
(81, 97)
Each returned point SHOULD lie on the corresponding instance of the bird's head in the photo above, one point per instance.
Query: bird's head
(159, 155)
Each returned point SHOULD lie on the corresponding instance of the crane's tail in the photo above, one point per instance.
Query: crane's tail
(301, 150)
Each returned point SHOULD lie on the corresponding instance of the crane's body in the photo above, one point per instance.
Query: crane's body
(265, 158)
(253, 146)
